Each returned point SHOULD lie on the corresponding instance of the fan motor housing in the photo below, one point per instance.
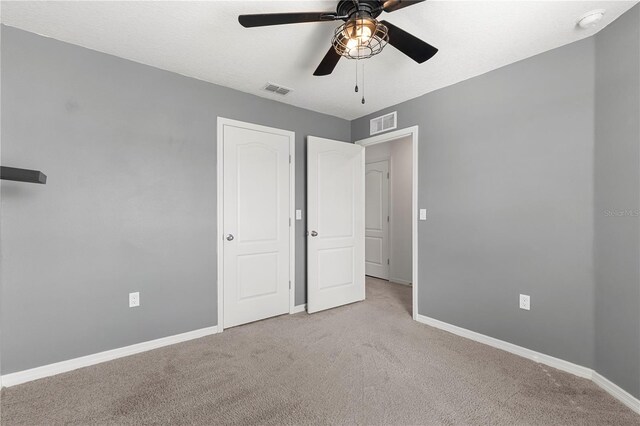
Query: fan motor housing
(348, 8)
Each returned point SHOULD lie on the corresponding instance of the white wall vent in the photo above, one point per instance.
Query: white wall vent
(276, 88)
(383, 123)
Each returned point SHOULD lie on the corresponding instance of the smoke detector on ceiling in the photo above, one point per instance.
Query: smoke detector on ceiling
(276, 88)
(591, 19)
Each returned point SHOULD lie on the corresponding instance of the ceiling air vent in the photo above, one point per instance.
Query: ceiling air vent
(383, 123)
(274, 88)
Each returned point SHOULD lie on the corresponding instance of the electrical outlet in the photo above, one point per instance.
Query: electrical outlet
(423, 214)
(298, 214)
(134, 299)
(525, 302)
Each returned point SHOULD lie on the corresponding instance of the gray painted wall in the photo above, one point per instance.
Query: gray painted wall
(617, 188)
(521, 170)
(506, 176)
(130, 204)
(0, 220)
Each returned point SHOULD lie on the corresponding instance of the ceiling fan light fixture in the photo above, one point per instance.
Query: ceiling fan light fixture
(360, 38)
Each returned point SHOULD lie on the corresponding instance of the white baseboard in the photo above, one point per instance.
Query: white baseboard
(299, 308)
(85, 361)
(614, 390)
(617, 392)
(560, 364)
(400, 281)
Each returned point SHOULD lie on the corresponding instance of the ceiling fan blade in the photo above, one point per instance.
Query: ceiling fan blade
(410, 45)
(393, 5)
(266, 19)
(328, 63)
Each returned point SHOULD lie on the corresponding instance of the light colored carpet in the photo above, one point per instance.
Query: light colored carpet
(366, 363)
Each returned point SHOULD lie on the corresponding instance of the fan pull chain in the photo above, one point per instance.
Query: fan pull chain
(357, 59)
(362, 84)
(356, 76)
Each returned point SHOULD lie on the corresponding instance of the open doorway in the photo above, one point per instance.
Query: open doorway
(391, 213)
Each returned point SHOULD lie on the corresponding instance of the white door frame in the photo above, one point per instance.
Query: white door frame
(220, 198)
(387, 137)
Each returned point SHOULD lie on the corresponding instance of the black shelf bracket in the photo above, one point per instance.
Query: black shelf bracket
(22, 175)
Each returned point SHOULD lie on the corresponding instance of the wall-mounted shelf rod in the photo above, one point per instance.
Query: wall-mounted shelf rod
(22, 175)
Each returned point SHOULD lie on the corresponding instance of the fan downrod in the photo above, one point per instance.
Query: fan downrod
(347, 8)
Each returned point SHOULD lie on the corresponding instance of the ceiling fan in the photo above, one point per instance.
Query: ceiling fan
(360, 37)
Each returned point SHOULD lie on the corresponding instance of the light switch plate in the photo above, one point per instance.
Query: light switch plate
(423, 214)
(134, 299)
(298, 214)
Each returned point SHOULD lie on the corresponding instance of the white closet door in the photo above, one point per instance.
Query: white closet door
(377, 219)
(335, 214)
(256, 225)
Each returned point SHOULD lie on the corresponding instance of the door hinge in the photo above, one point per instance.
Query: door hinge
(387, 218)
(387, 175)
(289, 158)
(289, 222)
(289, 284)
(387, 261)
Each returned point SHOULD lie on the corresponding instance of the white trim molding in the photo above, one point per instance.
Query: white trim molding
(587, 373)
(299, 308)
(399, 281)
(388, 137)
(20, 377)
(617, 392)
(560, 364)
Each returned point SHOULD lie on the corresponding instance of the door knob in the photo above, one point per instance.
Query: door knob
(314, 234)
(230, 237)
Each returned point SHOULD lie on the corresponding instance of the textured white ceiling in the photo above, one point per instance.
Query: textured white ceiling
(205, 41)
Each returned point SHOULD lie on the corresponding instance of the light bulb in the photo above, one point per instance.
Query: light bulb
(359, 30)
(363, 33)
